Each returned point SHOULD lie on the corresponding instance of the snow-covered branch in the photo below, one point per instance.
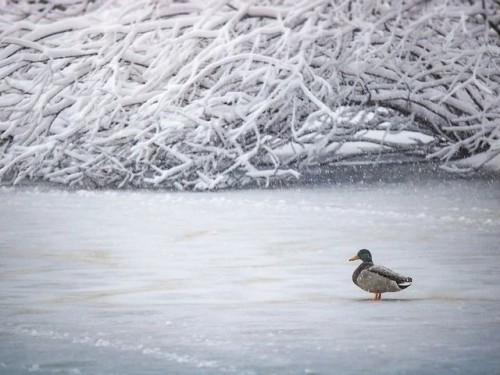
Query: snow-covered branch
(197, 95)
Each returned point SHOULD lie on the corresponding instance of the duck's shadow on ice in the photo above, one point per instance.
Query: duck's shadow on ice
(389, 300)
(430, 298)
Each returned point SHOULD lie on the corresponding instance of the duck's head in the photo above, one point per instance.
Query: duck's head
(364, 255)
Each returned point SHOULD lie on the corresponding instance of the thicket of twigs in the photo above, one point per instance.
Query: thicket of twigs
(197, 94)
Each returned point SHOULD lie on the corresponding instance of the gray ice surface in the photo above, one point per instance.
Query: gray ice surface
(250, 282)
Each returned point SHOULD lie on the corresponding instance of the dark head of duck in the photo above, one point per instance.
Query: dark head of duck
(364, 255)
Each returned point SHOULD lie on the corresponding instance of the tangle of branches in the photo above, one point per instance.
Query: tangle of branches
(206, 95)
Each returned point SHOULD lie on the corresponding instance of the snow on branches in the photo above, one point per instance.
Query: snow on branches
(206, 95)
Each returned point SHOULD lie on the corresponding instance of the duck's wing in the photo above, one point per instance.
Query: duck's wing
(402, 281)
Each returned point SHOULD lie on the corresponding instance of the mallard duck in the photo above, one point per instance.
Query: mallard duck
(377, 279)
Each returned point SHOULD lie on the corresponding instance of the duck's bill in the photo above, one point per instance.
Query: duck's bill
(355, 257)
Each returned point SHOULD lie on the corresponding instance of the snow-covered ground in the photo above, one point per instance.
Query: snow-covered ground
(250, 282)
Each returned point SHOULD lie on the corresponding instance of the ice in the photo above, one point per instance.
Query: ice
(251, 281)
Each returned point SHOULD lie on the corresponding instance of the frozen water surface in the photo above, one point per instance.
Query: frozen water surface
(250, 282)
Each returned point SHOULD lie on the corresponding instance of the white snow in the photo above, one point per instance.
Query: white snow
(111, 93)
(250, 282)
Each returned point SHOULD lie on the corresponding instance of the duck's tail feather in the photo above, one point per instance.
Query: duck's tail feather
(405, 283)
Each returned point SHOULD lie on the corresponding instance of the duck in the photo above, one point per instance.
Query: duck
(377, 279)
